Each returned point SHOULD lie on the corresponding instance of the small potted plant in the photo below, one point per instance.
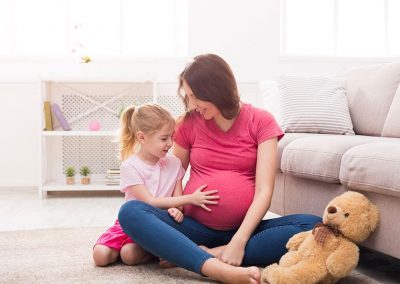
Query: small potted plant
(85, 172)
(70, 175)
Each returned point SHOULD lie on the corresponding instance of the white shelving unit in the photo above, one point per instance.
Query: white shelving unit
(82, 101)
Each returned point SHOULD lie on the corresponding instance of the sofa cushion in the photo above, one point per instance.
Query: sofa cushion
(391, 127)
(319, 157)
(286, 140)
(372, 167)
(370, 91)
(314, 105)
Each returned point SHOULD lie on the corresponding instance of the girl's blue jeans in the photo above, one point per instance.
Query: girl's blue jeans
(155, 231)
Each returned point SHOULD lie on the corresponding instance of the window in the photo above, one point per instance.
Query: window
(93, 27)
(347, 28)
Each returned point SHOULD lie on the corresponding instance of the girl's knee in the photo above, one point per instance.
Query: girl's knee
(132, 254)
(103, 255)
(129, 258)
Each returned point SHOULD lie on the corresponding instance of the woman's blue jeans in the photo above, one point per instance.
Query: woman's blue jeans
(155, 231)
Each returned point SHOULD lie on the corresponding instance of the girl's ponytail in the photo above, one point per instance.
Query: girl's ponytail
(127, 133)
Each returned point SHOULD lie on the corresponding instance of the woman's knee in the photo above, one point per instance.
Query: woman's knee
(131, 209)
(308, 221)
(103, 255)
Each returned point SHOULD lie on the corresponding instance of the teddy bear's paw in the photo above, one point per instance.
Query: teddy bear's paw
(296, 240)
(289, 259)
(271, 274)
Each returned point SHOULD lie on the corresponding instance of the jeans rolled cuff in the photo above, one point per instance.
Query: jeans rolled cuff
(201, 262)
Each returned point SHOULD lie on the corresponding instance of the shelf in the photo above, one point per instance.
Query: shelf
(94, 79)
(93, 186)
(79, 133)
(82, 101)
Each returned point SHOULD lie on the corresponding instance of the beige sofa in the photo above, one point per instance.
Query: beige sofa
(314, 168)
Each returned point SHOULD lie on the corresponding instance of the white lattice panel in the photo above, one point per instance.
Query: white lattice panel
(83, 103)
(167, 97)
(98, 153)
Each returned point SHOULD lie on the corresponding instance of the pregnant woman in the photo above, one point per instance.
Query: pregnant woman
(230, 146)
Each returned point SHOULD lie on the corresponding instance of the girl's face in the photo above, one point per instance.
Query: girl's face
(206, 109)
(156, 145)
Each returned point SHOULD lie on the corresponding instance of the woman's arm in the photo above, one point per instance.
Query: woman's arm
(182, 154)
(265, 178)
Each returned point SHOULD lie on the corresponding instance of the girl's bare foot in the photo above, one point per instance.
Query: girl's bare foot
(226, 273)
(165, 264)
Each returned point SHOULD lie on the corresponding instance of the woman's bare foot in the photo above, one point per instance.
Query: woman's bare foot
(226, 273)
(216, 252)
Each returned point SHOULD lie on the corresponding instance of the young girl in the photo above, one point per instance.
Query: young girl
(151, 176)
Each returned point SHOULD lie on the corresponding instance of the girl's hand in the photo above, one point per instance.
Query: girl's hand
(176, 214)
(204, 198)
(232, 253)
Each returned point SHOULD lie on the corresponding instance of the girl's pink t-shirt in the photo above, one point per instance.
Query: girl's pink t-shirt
(160, 179)
(225, 161)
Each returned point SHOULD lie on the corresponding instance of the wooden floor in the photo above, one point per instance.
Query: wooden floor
(21, 209)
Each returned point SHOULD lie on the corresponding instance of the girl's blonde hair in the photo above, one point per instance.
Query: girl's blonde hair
(148, 118)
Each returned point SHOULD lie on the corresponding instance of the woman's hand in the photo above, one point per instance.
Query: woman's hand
(203, 198)
(233, 253)
(176, 214)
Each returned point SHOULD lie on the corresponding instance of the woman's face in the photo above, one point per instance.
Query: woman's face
(206, 109)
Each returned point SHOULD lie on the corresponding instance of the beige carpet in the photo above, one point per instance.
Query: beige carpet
(64, 256)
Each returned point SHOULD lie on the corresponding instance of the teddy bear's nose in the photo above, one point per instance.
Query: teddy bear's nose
(332, 209)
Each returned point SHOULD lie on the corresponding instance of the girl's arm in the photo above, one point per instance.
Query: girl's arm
(177, 212)
(183, 155)
(265, 178)
(198, 198)
(178, 191)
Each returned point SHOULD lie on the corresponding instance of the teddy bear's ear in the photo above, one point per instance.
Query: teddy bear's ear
(373, 213)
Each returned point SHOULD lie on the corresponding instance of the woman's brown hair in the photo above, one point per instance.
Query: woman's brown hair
(212, 80)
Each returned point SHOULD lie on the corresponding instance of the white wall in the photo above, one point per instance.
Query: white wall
(244, 32)
(247, 35)
(19, 128)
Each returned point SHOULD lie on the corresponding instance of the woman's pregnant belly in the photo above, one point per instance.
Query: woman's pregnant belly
(236, 192)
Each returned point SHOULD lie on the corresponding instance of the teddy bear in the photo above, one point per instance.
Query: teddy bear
(329, 252)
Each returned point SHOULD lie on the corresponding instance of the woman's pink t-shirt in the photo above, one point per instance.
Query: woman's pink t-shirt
(160, 179)
(225, 161)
